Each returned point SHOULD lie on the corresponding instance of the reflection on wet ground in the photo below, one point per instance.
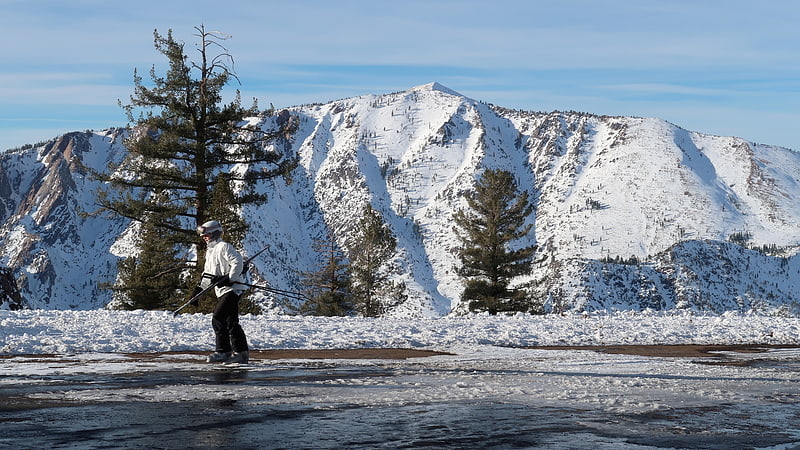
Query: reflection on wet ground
(452, 404)
(231, 424)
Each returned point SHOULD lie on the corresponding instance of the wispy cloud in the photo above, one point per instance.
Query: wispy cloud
(660, 88)
(610, 57)
(64, 94)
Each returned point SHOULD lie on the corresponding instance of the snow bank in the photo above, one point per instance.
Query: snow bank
(53, 331)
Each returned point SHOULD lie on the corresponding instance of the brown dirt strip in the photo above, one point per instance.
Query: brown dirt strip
(276, 354)
(671, 351)
(354, 353)
(662, 351)
(350, 353)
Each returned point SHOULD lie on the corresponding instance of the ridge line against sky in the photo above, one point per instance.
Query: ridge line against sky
(728, 67)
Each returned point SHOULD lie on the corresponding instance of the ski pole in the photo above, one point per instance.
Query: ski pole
(195, 297)
(290, 294)
(246, 263)
(213, 285)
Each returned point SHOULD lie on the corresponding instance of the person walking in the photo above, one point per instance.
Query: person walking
(223, 267)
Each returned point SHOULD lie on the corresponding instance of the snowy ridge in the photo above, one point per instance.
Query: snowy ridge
(605, 188)
(701, 275)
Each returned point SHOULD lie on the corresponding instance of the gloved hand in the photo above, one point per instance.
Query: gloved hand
(196, 301)
(221, 280)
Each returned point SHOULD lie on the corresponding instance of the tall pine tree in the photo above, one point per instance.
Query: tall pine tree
(328, 289)
(183, 146)
(140, 284)
(495, 218)
(373, 292)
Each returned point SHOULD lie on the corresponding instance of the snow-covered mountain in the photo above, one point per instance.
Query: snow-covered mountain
(631, 213)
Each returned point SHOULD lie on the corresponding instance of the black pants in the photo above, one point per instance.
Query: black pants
(225, 321)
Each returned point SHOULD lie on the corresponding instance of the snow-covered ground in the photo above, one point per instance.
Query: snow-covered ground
(489, 389)
(64, 331)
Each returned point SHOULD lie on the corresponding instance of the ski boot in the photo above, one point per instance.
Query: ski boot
(219, 357)
(239, 357)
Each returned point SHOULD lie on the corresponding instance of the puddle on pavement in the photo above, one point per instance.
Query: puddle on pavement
(328, 404)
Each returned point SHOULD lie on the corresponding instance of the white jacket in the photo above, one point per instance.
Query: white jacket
(223, 259)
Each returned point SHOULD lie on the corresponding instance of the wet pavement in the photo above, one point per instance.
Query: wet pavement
(596, 401)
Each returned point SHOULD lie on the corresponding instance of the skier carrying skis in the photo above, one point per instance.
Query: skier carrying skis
(223, 267)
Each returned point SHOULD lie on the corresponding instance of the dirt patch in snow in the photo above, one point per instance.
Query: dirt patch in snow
(274, 354)
(351, 353)
(672, 351)
(662, 351)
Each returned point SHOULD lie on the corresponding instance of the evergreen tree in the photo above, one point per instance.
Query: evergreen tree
(223, 205)
(328, 289)
(141, 285)
(9, 291)
(184, 145)
(496, 217)
(373, 292)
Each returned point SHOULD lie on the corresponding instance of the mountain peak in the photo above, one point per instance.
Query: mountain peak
(607, 230)
(436, 87)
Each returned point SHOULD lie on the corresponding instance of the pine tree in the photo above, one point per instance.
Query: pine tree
(222, 205)
(496, 218)
(328, 289)
(141, 285)
(373, 292)
(9, 291)
(184, 145)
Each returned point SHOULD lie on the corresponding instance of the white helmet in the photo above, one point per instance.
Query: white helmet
(212, 228)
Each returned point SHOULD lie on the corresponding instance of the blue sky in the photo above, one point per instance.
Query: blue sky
(725, 67)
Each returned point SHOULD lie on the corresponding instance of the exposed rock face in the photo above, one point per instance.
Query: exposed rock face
(60, 255)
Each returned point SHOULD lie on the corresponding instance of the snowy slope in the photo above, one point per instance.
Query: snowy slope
(604, 188)
(60, 253)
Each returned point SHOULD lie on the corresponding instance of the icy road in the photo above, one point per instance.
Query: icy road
(495, 397)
